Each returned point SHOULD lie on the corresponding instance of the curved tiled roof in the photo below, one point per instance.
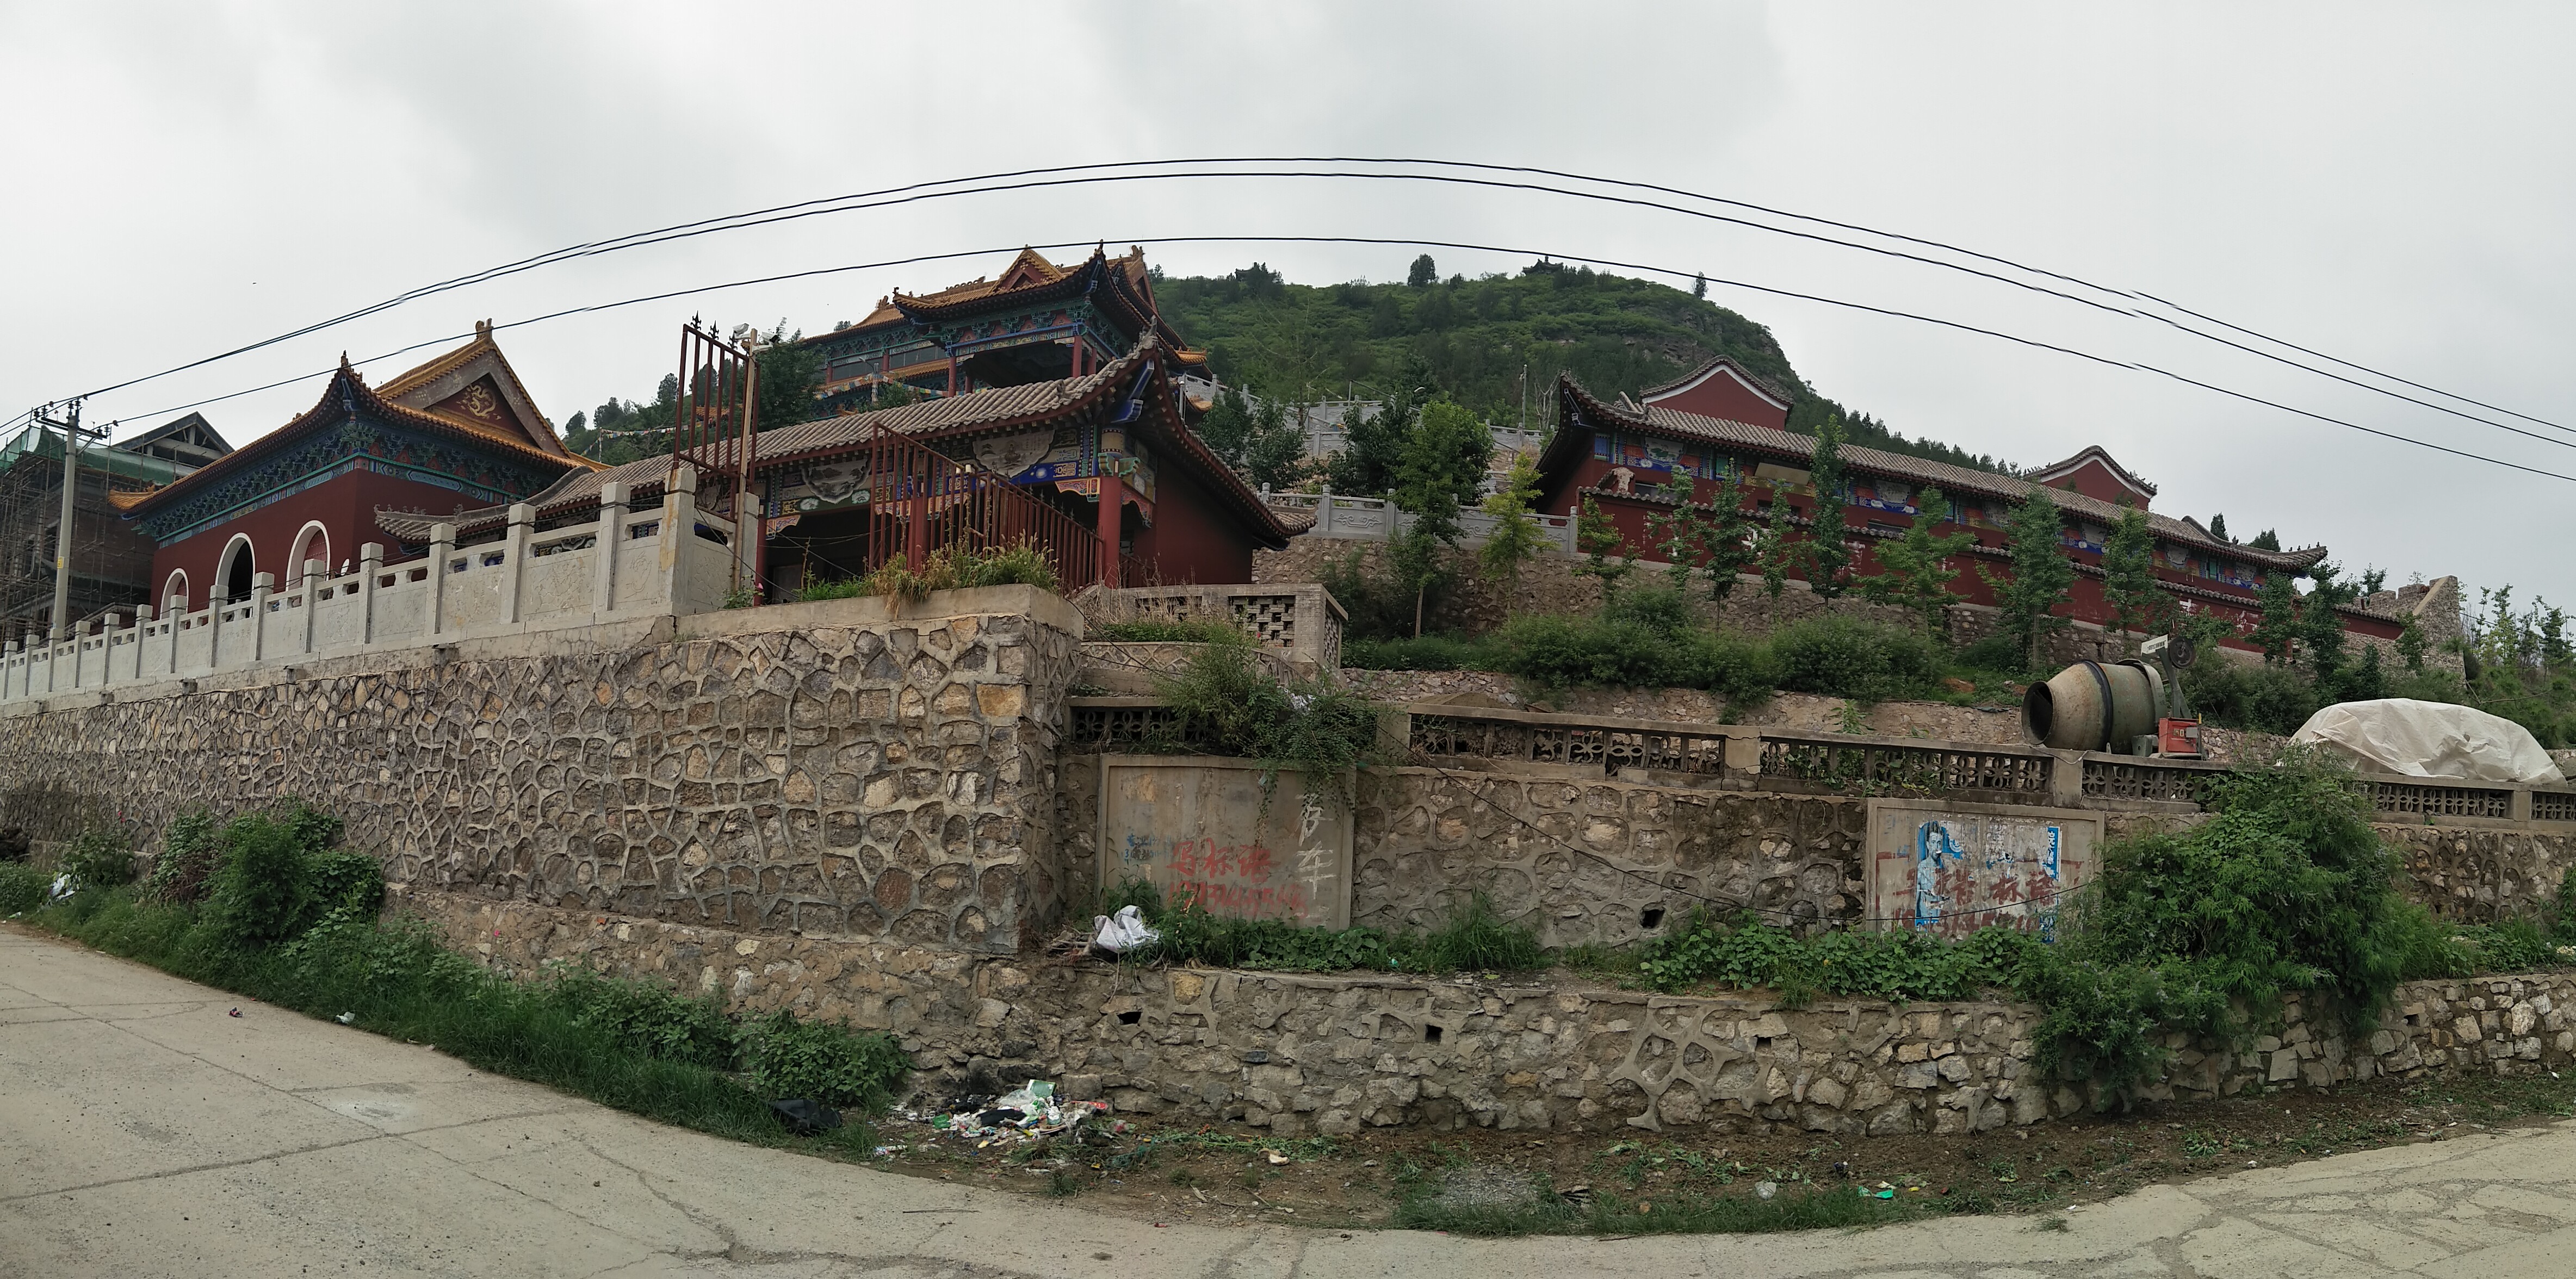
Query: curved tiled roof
(2093, 453)
(1952, 480)
(1758, 382)
(974, 413)
(345, 392)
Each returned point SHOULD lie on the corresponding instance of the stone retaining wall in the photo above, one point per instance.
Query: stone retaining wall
(1339, 1053)
(824, 768)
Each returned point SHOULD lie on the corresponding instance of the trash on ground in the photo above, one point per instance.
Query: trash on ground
(346, 1019)
(63, 888)
(1765, 1189)
(1025, 1113)
(234, 1013)
(1123, 931)
(806, 1118)
(1277, 1158)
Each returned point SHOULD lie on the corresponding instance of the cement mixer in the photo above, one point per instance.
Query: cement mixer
(2120, 707)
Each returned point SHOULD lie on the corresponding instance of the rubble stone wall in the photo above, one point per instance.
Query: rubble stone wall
(1335, 1054)
(826, 768)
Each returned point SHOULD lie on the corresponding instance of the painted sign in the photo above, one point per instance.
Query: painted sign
(1199, 829)
(1951, 869)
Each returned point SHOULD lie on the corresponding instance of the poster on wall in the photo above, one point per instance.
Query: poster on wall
(1200, 830)
(1950, 869)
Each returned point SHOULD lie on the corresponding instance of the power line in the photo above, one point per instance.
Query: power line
(1447, 244)
(909, 193)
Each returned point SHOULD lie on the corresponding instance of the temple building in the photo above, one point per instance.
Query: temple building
(457, 432)
(1109, 450)
(1636, 460)
(1036, 322)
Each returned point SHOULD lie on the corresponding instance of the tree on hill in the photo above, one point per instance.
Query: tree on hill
(1826, 557)
(1441, 468)
(1254, 437)
(1612, 333)
(1424, 273)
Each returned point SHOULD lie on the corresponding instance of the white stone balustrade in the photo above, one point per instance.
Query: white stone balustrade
(620, 566)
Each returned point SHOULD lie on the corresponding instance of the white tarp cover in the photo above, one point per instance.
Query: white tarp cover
(2430, 739)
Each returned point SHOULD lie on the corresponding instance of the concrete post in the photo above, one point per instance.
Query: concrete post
(679, 531)
(371, 565)
(1324, 512)
(612, 532)
(262, 585)
(315, 574)
(2066, 778)
(442, 547)
(523, 525)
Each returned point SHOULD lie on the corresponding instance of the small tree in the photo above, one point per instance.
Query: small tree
(1424, 274)
(1775, 548)
(1227, 427)
(2138, 603)
(789, 372)
(1514, 541)
(1915, 570)
(1827, 559)
(2320, 631)
(1275, 456)
(1373, 444)
(1441, 468)
(1670, 532)
(2277, 634)
(1598, 538)
(2218, 528)
(2040, 575)
(1728, 537)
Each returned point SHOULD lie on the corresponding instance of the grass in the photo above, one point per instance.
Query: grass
(578, 1033)
(1472, 937)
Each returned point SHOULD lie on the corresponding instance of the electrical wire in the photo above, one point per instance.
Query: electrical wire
(1438, 244)
(909, 193)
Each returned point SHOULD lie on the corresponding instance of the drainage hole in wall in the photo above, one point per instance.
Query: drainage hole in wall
(1651, 917)
(1431, 1034)
(1131, 1018)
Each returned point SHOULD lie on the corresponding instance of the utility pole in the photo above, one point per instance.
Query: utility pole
(60, 624)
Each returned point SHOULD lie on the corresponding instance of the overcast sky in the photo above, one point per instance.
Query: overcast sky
(2392, 185)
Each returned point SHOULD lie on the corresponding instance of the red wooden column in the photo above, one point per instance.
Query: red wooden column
(1113, 500)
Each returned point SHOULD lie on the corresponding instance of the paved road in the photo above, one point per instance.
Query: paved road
(145, 1132)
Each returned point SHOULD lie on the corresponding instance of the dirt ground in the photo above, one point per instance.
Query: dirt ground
(1219, 1173)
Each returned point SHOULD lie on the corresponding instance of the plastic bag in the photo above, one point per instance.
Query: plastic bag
(1123, 931)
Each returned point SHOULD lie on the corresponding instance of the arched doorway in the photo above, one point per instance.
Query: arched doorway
(174, 592)
(312, 542)
(236, 570)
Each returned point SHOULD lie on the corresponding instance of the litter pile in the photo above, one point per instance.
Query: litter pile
(1026, 1113)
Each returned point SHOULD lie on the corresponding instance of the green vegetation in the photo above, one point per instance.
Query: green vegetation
(622, 431)
(2284, 890)
(949, 568)
(1617, 1216)
(1915, 570)
(1482, 342)
(289, 918)
(1155, 630)
(2040, 578)
(1226, 703)
(1471, 937)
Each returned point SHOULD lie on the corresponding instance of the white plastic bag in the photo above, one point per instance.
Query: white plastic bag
(1123, 931)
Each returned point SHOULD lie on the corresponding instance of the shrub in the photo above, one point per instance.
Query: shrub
(1664, 610)
(22, 887)
(1846, 657)
(1996, 653)
(649, 1019)
(822, 1062)
(1738, 669)
(187, 857)
(958, 568)
(2234, 694)
(277, 876)
(98, 858)
(1227, 704)
(1555, 651)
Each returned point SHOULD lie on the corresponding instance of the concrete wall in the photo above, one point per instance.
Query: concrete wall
(829, 768)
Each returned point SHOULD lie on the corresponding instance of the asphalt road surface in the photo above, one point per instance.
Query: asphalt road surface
(145, 1132)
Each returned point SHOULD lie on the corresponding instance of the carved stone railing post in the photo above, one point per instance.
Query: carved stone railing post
(261, 587)
(371, 563)
(523, 524)
(442, 544)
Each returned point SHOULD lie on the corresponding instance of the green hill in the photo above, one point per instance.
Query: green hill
(1310, 342)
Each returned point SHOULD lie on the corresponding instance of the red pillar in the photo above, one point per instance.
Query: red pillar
(952, 373)
(1113, 497)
